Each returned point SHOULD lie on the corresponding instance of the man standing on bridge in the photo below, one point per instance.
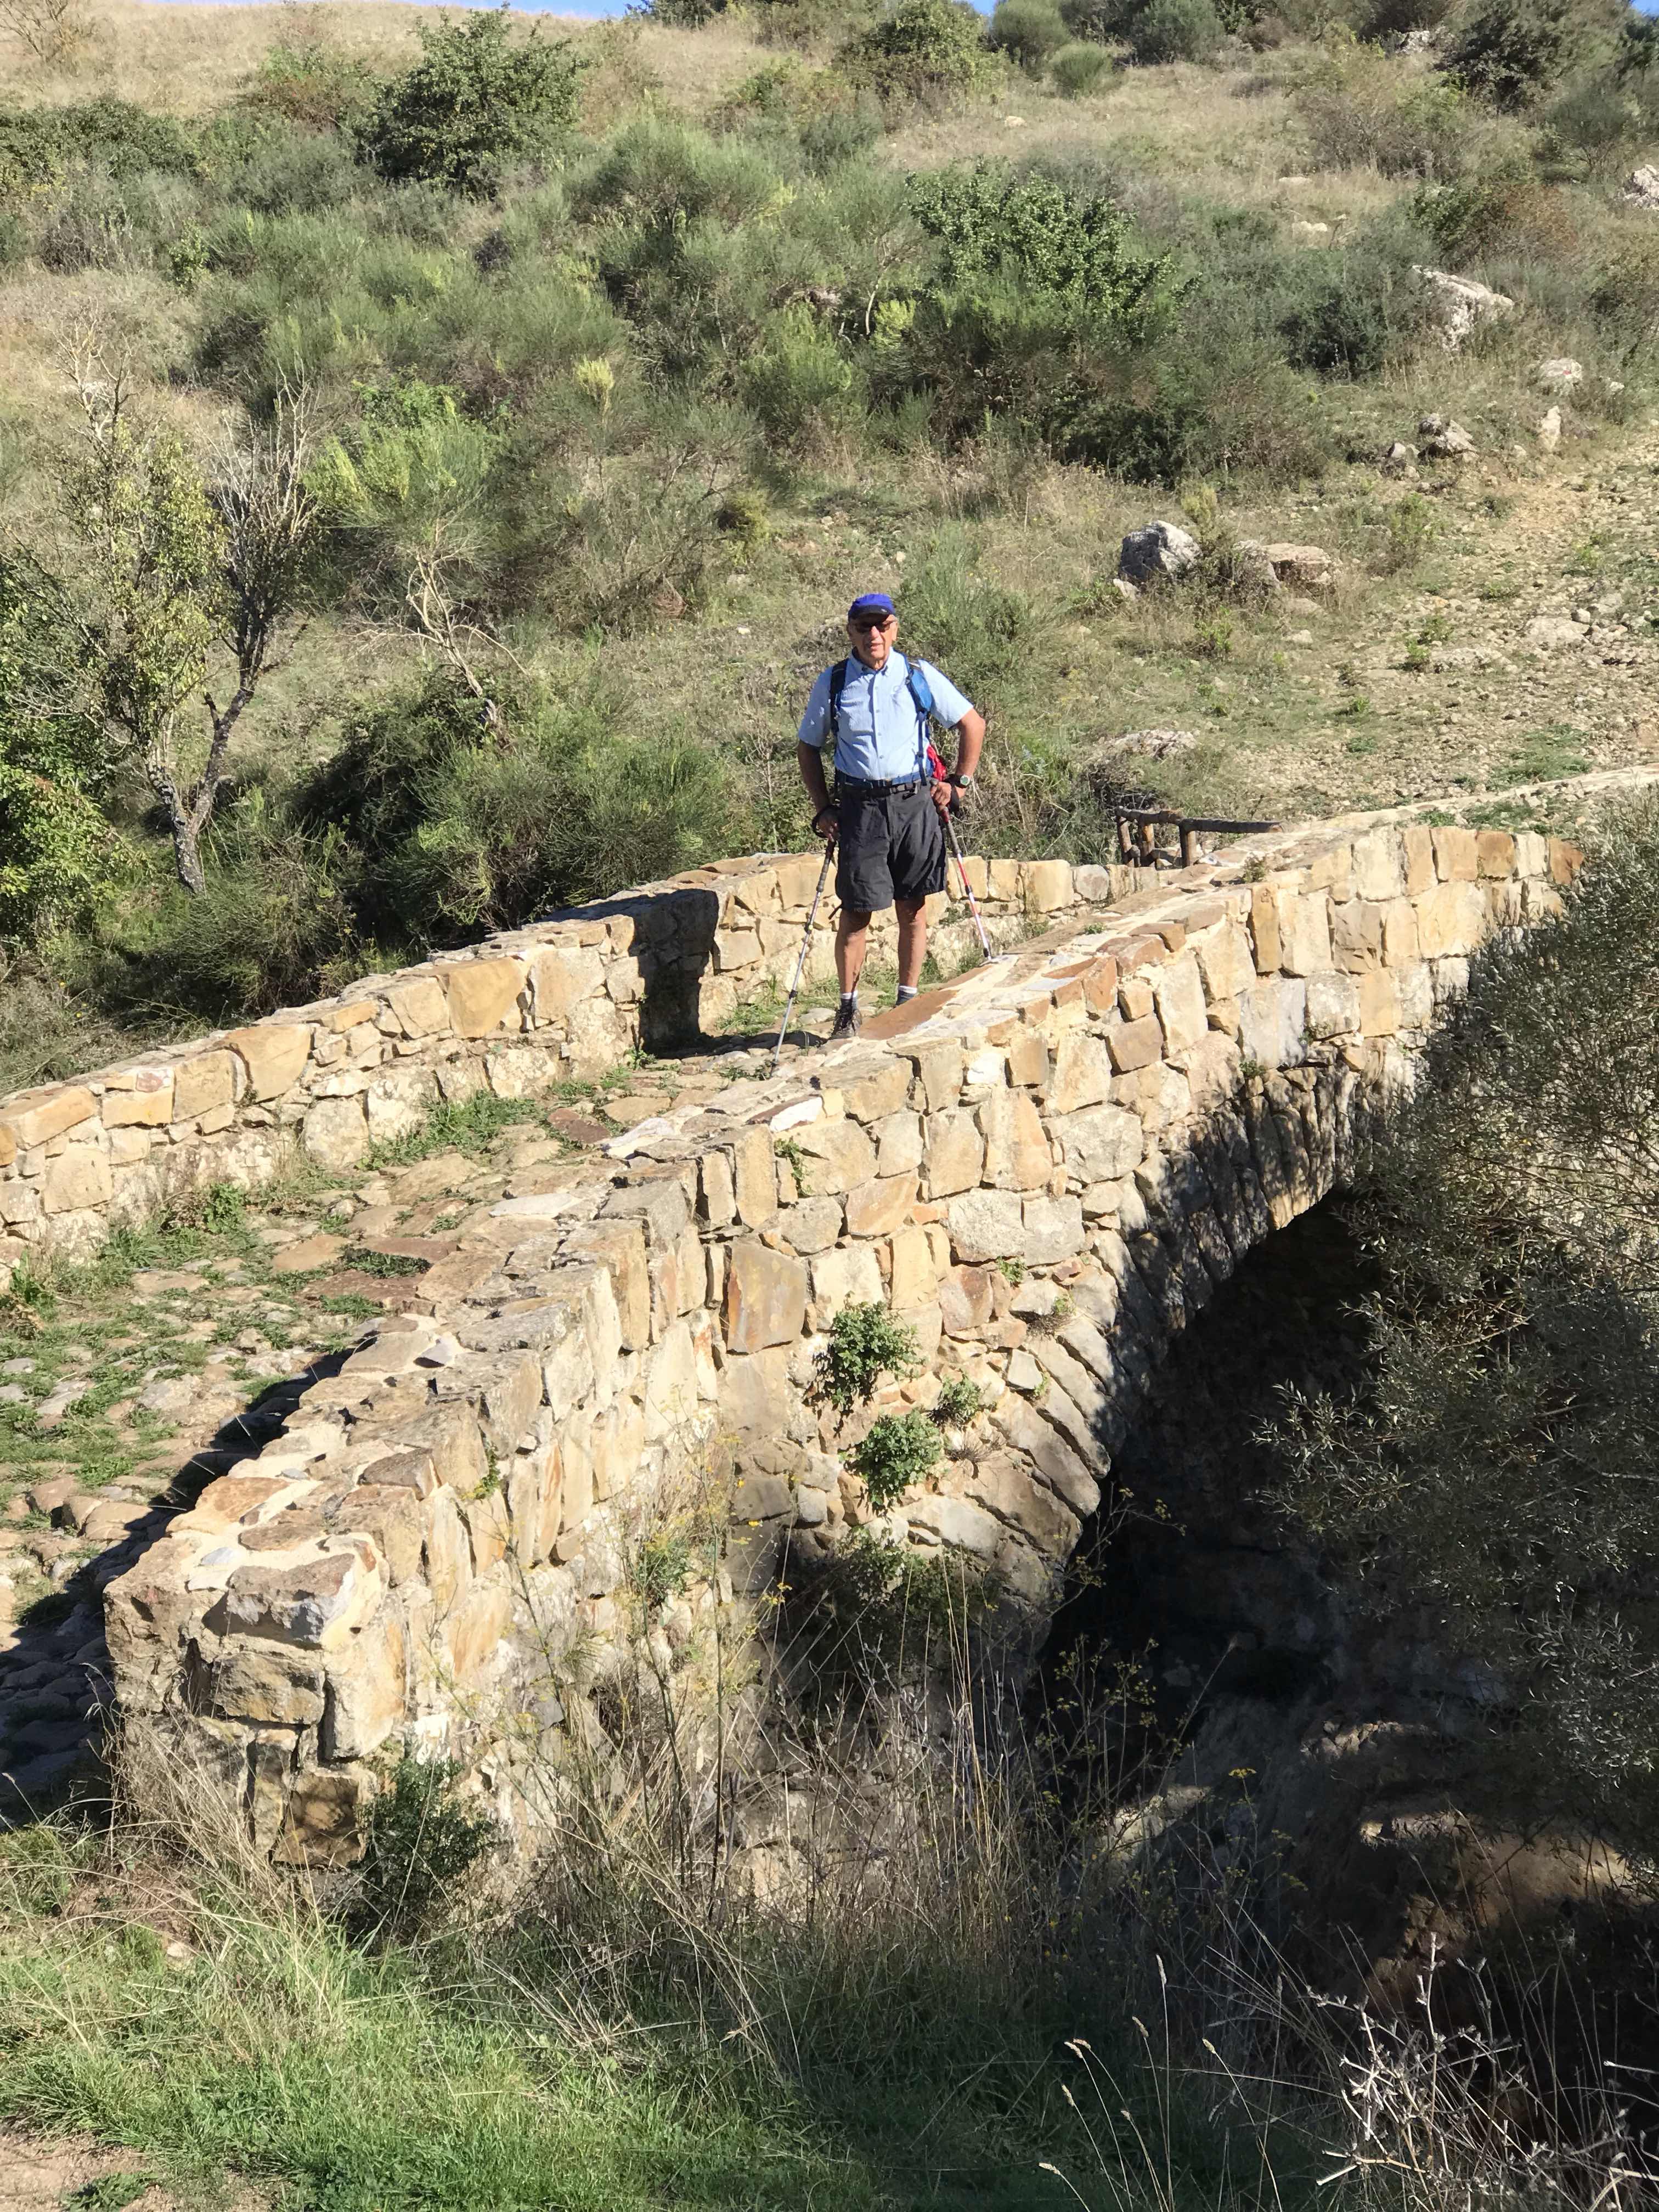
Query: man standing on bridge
(874, 711)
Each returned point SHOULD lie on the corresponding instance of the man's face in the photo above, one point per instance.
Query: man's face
(872, 637)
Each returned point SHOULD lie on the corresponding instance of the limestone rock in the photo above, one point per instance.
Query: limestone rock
(1549, 633)
(1641, 188)
(1458, 305)
(1158, 549)
(1445, 440)
(1310, 568)
(1155, 744)
(1559, 376)
(1399, 459)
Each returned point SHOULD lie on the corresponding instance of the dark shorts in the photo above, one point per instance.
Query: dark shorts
(887, 848)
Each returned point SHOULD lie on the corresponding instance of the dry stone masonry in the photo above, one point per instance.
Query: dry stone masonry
(567, 999)
(1045, 1166)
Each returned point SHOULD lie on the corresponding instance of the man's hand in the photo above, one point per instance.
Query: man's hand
(824, 825)
(944, 792)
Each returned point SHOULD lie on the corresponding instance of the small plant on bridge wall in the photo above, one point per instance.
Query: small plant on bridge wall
(865, 1343)
(422, 1838)
(958, 1402)
(896, 1451)
(663, 1566)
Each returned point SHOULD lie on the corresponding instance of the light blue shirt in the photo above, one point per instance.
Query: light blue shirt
(881, 739)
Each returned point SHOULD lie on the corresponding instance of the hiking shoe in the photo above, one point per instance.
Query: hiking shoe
(847, 1024)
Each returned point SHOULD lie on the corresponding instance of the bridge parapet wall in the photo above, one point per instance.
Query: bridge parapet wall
(566, 998)
(1045, 1166)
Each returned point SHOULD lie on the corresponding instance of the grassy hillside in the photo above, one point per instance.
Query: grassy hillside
(593, 410)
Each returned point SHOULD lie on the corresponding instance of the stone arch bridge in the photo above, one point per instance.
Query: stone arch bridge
(1045, 1165)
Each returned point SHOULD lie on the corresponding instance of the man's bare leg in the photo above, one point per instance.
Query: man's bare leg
(912, 941)
(850, 931)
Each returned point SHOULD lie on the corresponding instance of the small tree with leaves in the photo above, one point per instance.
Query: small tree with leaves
(472, 106)
(189, 568)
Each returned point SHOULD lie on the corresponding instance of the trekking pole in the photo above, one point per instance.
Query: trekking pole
(800, 964)
(967, 888)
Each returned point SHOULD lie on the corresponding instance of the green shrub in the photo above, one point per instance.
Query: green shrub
(311, 84)
(1511, 51)
(964, 620)
(1027, 31)
(799, 383)
(423, 1839)
(920, 50)
(1360, 113)
(1176, 31)
(472, 106)
(864, 1342)
(275, 927)
(1394, 19)
(958, 1402)
(1099, 20)
(457, 826)
(895, 1452)
(1078, 68)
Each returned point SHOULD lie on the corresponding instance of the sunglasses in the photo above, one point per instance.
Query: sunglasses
(868, 622)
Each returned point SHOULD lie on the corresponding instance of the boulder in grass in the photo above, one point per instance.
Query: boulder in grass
(1642, 189)
(1160, 549)
(1459, 305)
(1559, 377)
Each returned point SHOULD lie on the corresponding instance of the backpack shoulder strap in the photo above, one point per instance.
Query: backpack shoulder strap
(921, 691)
(838, 685)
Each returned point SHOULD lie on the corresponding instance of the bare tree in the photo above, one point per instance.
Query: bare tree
(55, 32)
(187, 566)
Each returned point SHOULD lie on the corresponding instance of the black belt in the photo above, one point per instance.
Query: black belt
(845, 785)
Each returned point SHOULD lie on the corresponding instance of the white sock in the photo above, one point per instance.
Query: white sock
(906, 991)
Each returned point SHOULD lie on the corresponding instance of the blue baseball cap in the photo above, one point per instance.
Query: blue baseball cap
(871, 603)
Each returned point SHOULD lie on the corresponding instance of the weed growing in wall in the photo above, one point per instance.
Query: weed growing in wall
(897, 1451)
(958, 1402)
(865, 1342)
(422, 1840)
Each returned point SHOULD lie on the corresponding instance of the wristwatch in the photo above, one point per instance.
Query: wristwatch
(962, 782)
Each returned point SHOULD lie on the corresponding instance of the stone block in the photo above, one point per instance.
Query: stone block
(1456, 856)
(669, 1374)
(1494, 854)
(838, 1154)
(813, 1224)
(1082, 1072)
(850, 1275)
(966, 1301)
(717, 1192)
(953, 1153)
(1264, 928)
(202, 1084)
(1016, 1142)
(561, 976)
(368, 1690)
(35, 1117)
(390, 1514)
(79, 1177)
(873, 1097)
(1272, 1021)
(266, 1684)
(274, 1053)
(336, 1132)
(1178, 996)
(1334, 1004)
(1223, 962)
(765, 1296)
(1305, 932)
(986, 1225)
(147, 1104)
(1379, 1004)
(1051, 1458)
(755, 1178)
(450, 1436)
(322, 1821)
(1452, 918)
(1002, 1484)
(315, 1603)
(1052, 1230)
(912, 1278)
(1101, 1143)
(419, 1007)
(1134, 1044)
(1357, 935)
(1378, 869)
(1417, 846)
(958, 1525)
(1028, 1057)
(898, 1144)
(879, 1208)
(940, 1070)
(1399, 939)
(1047, 885)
